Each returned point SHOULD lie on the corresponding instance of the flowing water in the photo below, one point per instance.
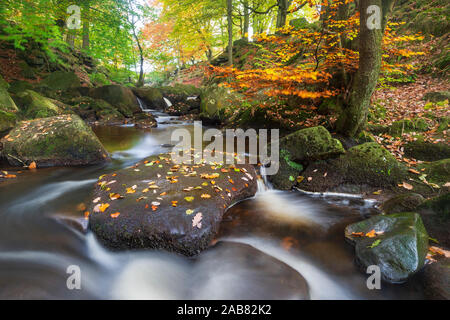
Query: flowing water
(290, 231)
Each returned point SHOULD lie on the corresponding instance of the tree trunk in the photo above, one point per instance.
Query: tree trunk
(246, 20)
(70, 38)
(283, 7)
(354, 116)
(230, 31)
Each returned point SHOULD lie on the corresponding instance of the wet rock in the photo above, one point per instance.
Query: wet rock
(118, 96)
(145, 121)
(91, 109)
(163, 202)
(436, 278)
(426, 151)
(215, 100)
(152, 97)
(56, 141)
(406, 202)
(399, 248)
(243, 272)
(435, 213)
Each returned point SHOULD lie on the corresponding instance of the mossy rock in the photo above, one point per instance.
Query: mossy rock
(3, 83)
(435, 213)
(95, 109)
(371, 164)
(19, 86)
(311, 144)
(286, 177)
(185, 90)
(6, 103)
(27, 71)
(60, 80)
(403, 203)
(152, 97)
(55, 141)
(118, 96)
(34, 106)
(437, 172)
(437, 96)
(443, 124)
(215, 100)
(399, 249)
(427, 151)
(7, 121)
(377, 128)
(436, 280)
(403, 126)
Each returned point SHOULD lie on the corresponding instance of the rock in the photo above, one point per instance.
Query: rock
(435, 213)
(60, 80)
(302, 147)
(436, 279)
(427, 151)
(3, 83)
(437, 96)
(371, 164)
(91, 109)
(399, 250)
(215, 100)
(311, 144)
(35, 106)
(56, 141)
(152, 97)
(27, 71)
(19, 86)
(403, 126)
(437, 172)
(168, 227)
(243, 272)
(145, 121)
(7, 121)
(118, 96)
(406, 202)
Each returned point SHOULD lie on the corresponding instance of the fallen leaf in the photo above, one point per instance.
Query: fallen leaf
(205, 196)
(371, 234)
(189, 211)
(32, 166)
(406, 186)
(196, 222)
(115, 215)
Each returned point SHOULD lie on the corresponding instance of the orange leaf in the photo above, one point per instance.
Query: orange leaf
(32, 166)
(115, 215)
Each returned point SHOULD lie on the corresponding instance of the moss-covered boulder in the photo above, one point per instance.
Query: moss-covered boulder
(437, 172)
(118, 96)
(91, 110)
(406, 202)
(427, 151)
(7, 121)
(152, 97)
(16, 87)
(6, 103)
(60, 80)
(8, 110)
(3, 83)
(404, 126)
(435, 213)
(437, 96)
(300, 148)
(399, 247)
(311, 144)
(214, 102)
(162, 204)
(33, 105)
(55, 141)
(371, 164)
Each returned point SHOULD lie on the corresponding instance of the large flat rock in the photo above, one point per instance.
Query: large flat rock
(163, 205)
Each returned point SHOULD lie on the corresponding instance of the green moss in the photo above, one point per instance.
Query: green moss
(427, 151)
(3, 83)
(36, 106)
(60, 80)
(371, 164)
(6, 103)
(7, 121)
(403, 126)
(437, 172)
(287, 157)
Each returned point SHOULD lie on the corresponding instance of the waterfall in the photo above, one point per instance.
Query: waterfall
(167, 101)
(263, 183)
(142, 105)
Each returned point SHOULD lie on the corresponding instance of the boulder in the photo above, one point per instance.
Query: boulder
(7, 121)
(399, 248)
(3, 83)
(427, 151)
(302, 147)
(33, 105)
(243, 272)
(406, 202)
(437, 172)
(60, 80)
(55, 141)
(167, 205)
(435, 213)
(152, 97)
(436, 279)
(6, 103)
(214, 102)
(118, 96)
(16, 87)
(413, 125)
(8, 110)
(91, 109)
(437, 96)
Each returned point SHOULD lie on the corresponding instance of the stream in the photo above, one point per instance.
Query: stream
(302, 232)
